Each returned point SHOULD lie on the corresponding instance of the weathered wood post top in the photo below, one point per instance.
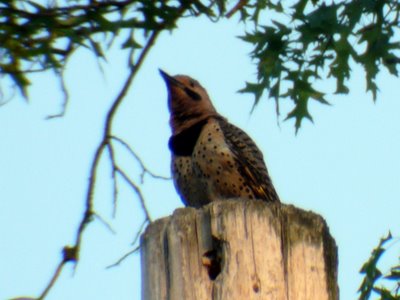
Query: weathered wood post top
(239, 250)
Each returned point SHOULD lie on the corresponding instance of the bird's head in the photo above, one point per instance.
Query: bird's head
(188, 102)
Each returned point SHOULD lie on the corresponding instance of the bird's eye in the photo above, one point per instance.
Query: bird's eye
(192, 94)
(192, 83)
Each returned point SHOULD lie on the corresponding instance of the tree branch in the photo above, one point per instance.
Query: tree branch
(145, 170)
(134, 250)
(137, 190)
(73, 251)
(52, 280)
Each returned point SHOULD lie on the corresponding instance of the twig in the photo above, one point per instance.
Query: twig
(89, 203)
(68, 255)
(73, 251)
(119, 261)
(65, 99)
(237, 7)
(137, 236)
(145, 170)
(105, 141)
(52, 281)
(124, 90)
(114, 179)
(4, 102)
(105, 223)
(137, 191)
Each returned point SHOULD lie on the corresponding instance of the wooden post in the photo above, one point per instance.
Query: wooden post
(239, 250)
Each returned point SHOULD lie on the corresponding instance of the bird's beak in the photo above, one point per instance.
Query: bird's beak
(164, 74)
(169, 79)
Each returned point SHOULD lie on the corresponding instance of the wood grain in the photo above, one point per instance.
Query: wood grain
(239, 250)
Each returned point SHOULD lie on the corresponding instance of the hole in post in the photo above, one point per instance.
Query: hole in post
(256, 287)
(212, 259)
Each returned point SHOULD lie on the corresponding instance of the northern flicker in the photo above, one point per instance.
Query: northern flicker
(211, 158)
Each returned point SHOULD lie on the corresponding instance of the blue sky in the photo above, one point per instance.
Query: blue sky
(345, 166)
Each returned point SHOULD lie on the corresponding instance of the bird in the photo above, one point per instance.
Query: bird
(211, 159)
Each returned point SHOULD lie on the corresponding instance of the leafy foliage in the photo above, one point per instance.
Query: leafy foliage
(35, 37)
(295, 43)
(317, 42)
(374, 279)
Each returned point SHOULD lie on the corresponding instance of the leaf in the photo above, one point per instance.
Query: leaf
(274, 93)
(201, 8)
(385, 293)
(323, 19)
(299, 8)
(21, 81)
(299, 112)
(340, 68)
(370, 269)
(96, 47)
(253, 38)
(131, 43)
(394, 275)
(255, 89)
(391, 61)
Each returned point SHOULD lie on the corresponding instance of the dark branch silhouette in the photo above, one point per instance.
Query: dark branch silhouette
(89, 213)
